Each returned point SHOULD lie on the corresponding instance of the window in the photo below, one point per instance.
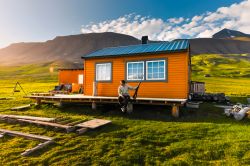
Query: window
(148, 70)
(135, 71)
(103, 72)
(80, 79)
(155, 70)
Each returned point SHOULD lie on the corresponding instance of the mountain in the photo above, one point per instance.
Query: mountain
(69, 49)
(218, 46)
(227, 33)
(225, 41)
(64, 48)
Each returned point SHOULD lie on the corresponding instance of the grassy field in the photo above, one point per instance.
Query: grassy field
(229, 74)
(148, 136)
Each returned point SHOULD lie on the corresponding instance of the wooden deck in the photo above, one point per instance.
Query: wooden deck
(105, 99)
(94, 100)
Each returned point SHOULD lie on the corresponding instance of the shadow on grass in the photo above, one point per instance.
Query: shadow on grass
(207, 113)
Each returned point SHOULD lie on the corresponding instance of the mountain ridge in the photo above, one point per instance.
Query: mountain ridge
(71, 48)
(228, 33)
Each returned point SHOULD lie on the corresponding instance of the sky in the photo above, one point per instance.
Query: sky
(41, 20)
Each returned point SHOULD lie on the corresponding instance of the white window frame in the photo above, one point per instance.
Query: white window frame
(96, 72)
(143, 70)
(152, 79)
(80, 78)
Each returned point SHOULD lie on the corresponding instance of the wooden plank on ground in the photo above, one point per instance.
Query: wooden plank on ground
(23, 107)
(45, 119)
(6, 98)
(38, 147)
(2, 134)
(92, 124)
(55, 125)
(29, 136)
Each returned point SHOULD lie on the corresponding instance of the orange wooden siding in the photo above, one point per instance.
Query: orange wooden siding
(70, 77)
(176, 86)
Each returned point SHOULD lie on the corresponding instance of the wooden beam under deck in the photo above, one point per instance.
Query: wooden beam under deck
(105, 99)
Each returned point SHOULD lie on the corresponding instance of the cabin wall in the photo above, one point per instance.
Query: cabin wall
(70, 77)
(176, 86)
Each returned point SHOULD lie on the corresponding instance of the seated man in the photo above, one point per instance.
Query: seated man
(124, 95)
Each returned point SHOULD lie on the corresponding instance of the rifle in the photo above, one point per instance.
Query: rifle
(136, 90)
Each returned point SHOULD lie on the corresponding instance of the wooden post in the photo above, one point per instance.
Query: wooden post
(130, 108)
(38, 101)
(175, 111)
(81, 131)
(94, 106)
(60, 104)
(94, 89)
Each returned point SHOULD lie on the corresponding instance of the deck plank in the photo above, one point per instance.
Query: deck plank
(86, 98)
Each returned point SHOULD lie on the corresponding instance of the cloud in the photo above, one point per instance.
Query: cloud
(234, 17)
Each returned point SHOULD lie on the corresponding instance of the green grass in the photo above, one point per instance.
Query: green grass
(148, 136)
(230, 74)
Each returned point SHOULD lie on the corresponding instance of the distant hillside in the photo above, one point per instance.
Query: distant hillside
(70, 48)
(65, 48)
(221, 65)
(227, 33)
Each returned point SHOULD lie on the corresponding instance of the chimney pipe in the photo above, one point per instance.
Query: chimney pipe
(144, 40)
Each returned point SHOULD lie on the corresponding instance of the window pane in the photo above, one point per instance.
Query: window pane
(161, 75)
(161, 64)
(161, 70)
(150, 64)
(134, 70)
(129, 71)
(155, 64)
(155, 75)
(155, 70)
(150, 76)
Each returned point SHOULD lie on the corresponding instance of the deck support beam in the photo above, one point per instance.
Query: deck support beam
(130, 107)
(94, 106)
(175, 111)
(38, 101)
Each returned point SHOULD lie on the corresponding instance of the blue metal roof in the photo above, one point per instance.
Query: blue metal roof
(153, 48)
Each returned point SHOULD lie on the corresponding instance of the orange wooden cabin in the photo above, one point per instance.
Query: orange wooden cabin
(73, 77)
(163, 68)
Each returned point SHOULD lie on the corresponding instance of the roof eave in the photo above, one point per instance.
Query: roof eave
(147, 53)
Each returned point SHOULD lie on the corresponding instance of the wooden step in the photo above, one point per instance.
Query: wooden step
(49, 124)
(5, 116)
(95, 123)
